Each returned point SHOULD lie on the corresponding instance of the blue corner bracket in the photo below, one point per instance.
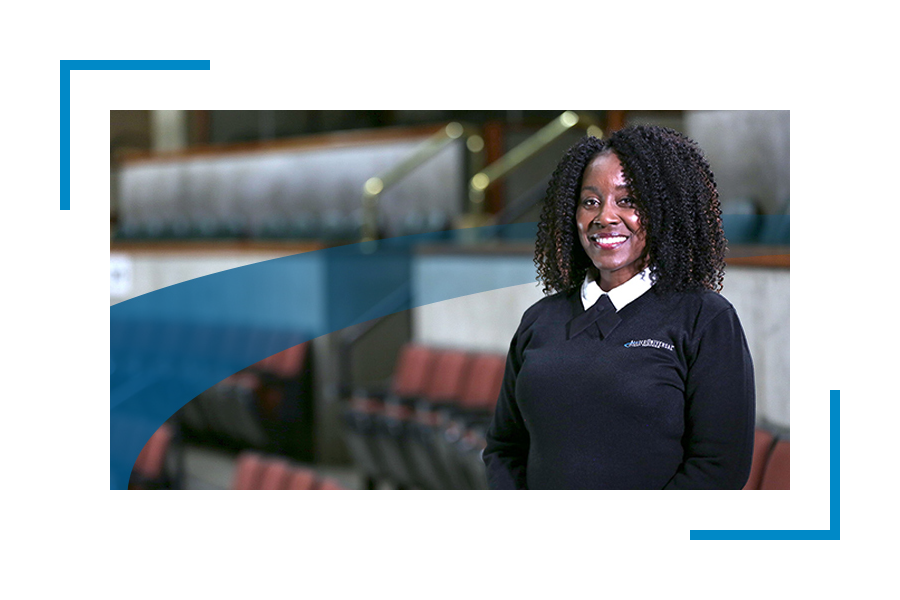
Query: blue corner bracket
(833, 533)
(66, 67)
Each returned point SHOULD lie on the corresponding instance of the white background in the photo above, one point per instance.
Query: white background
(65, 532)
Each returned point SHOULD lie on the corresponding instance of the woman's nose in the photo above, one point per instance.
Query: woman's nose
(607, 214)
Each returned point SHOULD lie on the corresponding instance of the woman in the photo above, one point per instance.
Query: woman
(635, 374)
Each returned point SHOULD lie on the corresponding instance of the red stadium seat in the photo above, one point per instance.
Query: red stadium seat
(301, 478)
(275, 475)
(483, 387)
(149, 469)
(413, 371)
(448, 378)
(330, 484)
(287, 363)
(248, 471)
(255, 471)
(762, 446)
(777, 474)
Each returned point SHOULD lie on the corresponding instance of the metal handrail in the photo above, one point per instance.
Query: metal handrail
(375, 186)
(524, 151)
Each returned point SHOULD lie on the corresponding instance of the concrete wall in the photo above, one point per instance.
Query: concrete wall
(144, 272)
(749, 152)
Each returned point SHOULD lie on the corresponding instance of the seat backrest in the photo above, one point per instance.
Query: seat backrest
(302, 479)
(448, 376)
(777, 474)
(152, 459)
(248, 471)
(275, 475)
(330, 484)
(412, 370)
(762, 445)
(483, 384)
(288, 363)
(285, 364)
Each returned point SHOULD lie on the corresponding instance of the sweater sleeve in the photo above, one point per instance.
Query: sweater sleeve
(720, 406)
(506, 453)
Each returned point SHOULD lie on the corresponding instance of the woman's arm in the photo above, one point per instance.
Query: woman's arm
(720, 409)
(506, 453)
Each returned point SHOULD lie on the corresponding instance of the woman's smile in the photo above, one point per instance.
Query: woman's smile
(608, 241)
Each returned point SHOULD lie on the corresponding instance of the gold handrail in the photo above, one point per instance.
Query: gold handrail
(521, 153)
(375, 186)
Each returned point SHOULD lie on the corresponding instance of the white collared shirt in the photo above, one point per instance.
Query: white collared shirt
(620, 295)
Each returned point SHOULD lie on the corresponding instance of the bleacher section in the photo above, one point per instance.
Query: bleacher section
(425, 431)
(302, 188)
(254, 471)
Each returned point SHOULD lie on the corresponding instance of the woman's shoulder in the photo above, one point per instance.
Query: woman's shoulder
(559, 303)
(703, 300)
(699, 308)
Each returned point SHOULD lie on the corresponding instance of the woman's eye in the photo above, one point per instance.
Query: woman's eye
(626, 202)
(588, 201)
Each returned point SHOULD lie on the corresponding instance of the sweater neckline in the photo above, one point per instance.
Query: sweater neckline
(578, 306)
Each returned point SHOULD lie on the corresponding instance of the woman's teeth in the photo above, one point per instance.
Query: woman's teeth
(609, 241)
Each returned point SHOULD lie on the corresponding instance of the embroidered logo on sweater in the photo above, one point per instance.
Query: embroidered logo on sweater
(649, 344)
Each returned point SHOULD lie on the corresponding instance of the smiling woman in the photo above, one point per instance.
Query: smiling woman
(635, 373)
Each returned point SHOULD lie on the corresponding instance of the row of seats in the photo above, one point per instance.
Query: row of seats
(331, 227)
(771, 467)
(159, 466)
(254, 471)
(427, 431)
(246, 409)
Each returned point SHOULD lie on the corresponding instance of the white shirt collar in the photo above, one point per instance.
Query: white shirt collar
(619, 296)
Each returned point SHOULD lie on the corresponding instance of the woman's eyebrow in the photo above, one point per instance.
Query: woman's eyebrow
(595, 190)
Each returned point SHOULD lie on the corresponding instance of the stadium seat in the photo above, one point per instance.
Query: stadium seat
(254, 471)
(777, 473)
(150, 468)
(762, 446)
(275, 475)
(248, 471)
(330, 484)
(301, 478)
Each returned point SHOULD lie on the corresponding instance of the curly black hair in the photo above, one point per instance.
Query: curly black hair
(675, 195)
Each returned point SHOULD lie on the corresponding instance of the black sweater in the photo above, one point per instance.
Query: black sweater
(657, 395)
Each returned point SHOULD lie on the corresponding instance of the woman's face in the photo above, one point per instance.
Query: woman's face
(608, 223)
